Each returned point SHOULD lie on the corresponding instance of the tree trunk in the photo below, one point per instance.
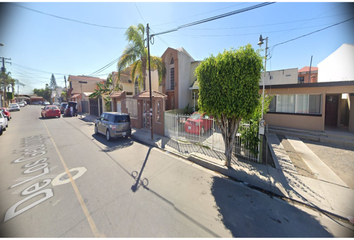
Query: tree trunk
(229, 129)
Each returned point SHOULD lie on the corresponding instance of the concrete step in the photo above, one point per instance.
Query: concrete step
(344, 139)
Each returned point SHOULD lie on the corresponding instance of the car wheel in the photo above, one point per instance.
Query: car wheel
(108, 136)
(96, 129)
(59, 116)
(1, 130)
(8, 119)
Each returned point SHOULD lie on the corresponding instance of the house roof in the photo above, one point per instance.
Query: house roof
(307, 69)
(146, 95)
(85, 78)
(117, 94)
(311, 85)
(76, 95)
(195, 85)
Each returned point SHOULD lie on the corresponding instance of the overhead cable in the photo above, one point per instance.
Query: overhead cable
(214, 18)
(69, 19)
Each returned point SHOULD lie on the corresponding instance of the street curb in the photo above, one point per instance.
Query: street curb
(223, 170)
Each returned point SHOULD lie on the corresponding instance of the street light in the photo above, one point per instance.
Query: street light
(265, 65)
(261, 124)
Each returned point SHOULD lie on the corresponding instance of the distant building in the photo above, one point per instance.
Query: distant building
(304, 75)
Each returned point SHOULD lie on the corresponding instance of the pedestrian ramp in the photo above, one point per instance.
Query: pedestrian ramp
(317, 166)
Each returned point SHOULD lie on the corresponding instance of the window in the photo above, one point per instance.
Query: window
(136, 87)
(158, 111)
(111, 118)
(296, 103)
(172, 78)
(122, 119)
(285, 103)
(301, 79)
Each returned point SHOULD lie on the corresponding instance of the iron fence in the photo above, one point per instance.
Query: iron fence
(204, 131)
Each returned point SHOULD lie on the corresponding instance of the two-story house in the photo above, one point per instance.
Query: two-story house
(80, 88)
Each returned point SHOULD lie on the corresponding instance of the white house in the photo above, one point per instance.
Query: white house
(338, 66)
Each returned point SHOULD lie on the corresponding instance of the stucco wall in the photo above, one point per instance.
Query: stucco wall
(316, 123)
(89, 87)
(338, 66)
(154, 81)
(285, 76)
(184, 68)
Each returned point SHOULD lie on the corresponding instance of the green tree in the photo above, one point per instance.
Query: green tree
(53, 83)
(250, 134)
(228, 90)
(6, 82)
(104, 90)
(135, 55)
(44, 93)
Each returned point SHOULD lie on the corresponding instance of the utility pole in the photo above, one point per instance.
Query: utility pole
(310, 70)
(3, 76)
(66, 90)
(148, 45)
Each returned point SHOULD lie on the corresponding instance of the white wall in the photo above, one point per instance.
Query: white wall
(285, 76)
(339, 66)
(184, 67)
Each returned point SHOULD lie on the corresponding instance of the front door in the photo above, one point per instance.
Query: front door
(331, 110)
(146, 114)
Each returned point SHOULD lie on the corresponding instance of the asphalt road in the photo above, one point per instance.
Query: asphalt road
(58, 179)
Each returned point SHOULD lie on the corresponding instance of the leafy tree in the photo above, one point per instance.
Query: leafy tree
(228, 90)
(104, 89)
(53, 82)
(250, 134)
(6, 81)
(44, 93)
(135, 55)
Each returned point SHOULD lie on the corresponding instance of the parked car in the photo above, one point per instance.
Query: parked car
(67, 110)
(14, 107)
(3, 123)
(62, 106)
(50, 111)
(113, 125)
(45, 103)
(198, 123)
(6, 112)
(56, 104)
(21, 104)
(37, 103)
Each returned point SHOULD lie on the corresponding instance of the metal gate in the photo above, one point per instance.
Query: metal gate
(94, 106)
(84, 106)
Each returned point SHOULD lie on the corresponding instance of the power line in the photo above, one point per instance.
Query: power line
(263, 25)
(312, 32)
(243, 34)
(69, 19)
(145, 23)
(306, 22)
(214, 18)
(198, 15)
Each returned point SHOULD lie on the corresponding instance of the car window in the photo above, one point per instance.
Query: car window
(102, 116)
(111, 118)
(105, 118)
(122, 118)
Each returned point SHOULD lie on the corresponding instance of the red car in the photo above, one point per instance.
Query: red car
(6, 113)
(198, 123)
(50, 111)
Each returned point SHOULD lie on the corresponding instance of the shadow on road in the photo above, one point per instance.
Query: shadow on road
(137, 175)
(248, 214)
(114, 144)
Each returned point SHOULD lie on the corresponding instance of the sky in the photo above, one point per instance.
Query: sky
(62, 38)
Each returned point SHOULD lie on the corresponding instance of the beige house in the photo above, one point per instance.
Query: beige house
(312, 106)
(80, 88)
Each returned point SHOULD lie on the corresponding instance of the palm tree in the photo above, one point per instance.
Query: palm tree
(135, 55)
(6, 81)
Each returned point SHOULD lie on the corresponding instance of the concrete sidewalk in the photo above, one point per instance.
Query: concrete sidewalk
(327, 192)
